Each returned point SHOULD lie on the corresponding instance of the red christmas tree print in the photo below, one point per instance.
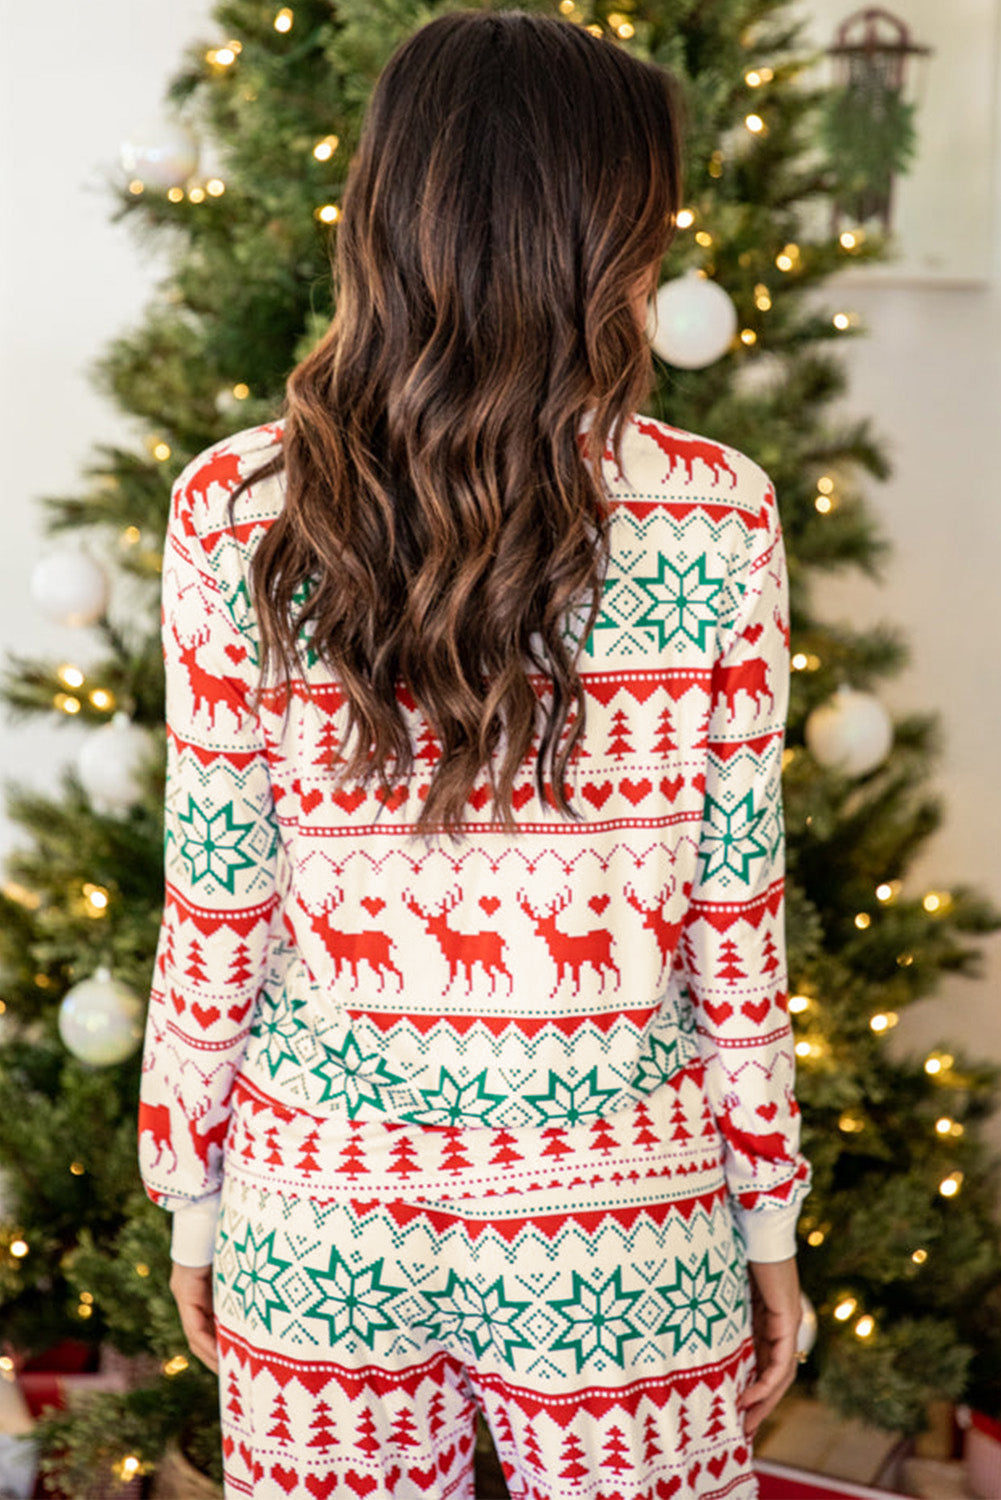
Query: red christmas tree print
(365, 1437)
(195, 970)
(240, 969)
(322, 1426)
(615, 1455)
(403, 1434)
(620, 745)
(570, 1459)
(651, 1439)
(279, 1417)
(665, 741)
(730, 967)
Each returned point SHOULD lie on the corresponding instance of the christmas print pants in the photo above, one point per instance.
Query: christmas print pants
(584, 1286)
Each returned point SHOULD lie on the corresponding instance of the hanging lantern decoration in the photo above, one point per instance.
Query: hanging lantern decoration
(109, 764)
(160, 155)
(70, 586)
(851, 733)
(100, 1019)
(692, 321)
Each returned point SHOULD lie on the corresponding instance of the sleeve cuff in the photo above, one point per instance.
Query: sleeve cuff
(769, 1233)
(192, 1240)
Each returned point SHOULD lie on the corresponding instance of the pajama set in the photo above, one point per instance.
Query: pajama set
(495, 1123)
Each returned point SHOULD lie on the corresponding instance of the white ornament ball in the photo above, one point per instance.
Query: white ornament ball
(109, 764)
(851, 733)
(161, 155)
(70, 586)
(692, 321)
(100, 1019)
(806, 1336)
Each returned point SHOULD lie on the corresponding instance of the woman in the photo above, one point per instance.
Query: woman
(468, 1074)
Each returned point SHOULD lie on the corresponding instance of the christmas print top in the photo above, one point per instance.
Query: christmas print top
(542, 978)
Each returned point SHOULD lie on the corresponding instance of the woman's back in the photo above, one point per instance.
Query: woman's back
(544, 978)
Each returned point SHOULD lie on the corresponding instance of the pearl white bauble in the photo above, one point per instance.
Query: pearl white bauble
(109, 763)
(692, 321)
(851, 733)
(806, 1336)
(161, 155)
(70, 586)
(100, 1019)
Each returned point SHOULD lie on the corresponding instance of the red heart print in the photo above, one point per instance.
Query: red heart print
(636, 790)
(767, 1111)
(740, 1455)
(362, 1484)
(321, 1488)
(373, 905)
(312, 799)
(671, 788)
(521, 795)
(205, 1014)
(717, 1013)
(227, 1446)
(598, 903)
(699, 782)
(752, 633)
(392, 799)
(668, 1487)
(490, 904)
(597, 795)
(349, 800)
(178, 1001)
(756, 1012)
(479, 797)
(238, 1013)
(287, 1478)
(718, 1464)
(235, 653)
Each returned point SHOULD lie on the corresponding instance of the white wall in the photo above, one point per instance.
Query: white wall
(75, 79)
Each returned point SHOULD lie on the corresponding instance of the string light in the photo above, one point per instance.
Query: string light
(142, 1269)
(241, 391)
(799, 1003)
(799, 661)
(101, 698)
(824, 504)
(161, 452)
(755, 124)
(67, 703)
(919, 1257)
(196, 195)
(788, 257)
(850, 239)
(215, 187)
(96, 897)
(865, 1327)
(175, 194)
(176, 1365)
(84, 1310)
(844, 1309)
(130, 536)
(703, 237)
(815, 1238)
(620, 24)
(933, 902)
(128, 1467)
(328, 214)
(77, 1168)
(325, 148)
(748, 336)
(825, 484)
(137, 186)
(905, 960)
(284, 19)
(950, 1186)
(851, 1124)
(566, 6)
(716, 170)
(6, 1363)
(19, 1248)
(841, 321)
(884, 892)
(72, 676)
(863, 920)
(594, 29)
(883, 1021)
(762, 297)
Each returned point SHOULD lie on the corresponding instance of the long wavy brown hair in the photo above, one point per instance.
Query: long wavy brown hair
(516, 180)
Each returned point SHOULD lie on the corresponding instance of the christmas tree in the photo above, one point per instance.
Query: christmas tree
(898, 1248)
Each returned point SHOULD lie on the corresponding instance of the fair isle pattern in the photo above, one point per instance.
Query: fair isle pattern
(440, 1025)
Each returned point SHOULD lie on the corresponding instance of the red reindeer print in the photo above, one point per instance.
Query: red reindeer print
(466, 948)
(783, 626)
(223, 469)
(352, 948)
(206, 687)
(204, 1140)
(770, 1147)
(666, 933)
(156, 1119)
(750, 677)
(686, 449)
(571, 950)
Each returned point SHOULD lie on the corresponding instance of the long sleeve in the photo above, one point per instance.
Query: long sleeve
(222, 853)
(733, 950)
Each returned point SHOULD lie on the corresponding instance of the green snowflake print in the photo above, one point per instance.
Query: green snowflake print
(604, 621)
(694, 1302)
(568, 1103)
(258, 1268)
(598, 1319)
(730, 840)
(683, 601)
(475, 1317)
(455, 1103)
(355, 1077)
(354, 1301)
(276, 1021)
(658, 1063)
(211, 846)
